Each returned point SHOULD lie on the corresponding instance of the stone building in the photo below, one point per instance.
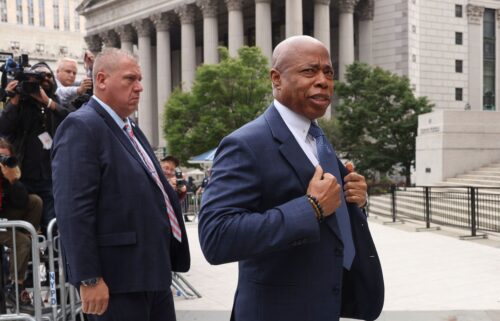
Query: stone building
(44, 29)
(447, 48)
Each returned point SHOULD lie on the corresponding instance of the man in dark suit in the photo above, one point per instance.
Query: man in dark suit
(120, 222)
(289, 214)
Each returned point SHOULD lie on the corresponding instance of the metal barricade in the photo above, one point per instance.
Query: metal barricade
(67, 292)
(190, 205)
(183, 287)
(37, 243)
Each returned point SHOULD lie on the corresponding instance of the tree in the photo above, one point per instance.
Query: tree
(224, 96)
(378, 119)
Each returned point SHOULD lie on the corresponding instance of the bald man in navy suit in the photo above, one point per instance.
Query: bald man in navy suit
(272, 207)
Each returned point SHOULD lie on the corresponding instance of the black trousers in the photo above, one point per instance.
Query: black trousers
(139, 306)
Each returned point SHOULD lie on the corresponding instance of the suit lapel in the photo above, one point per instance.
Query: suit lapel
(295, 156)
(118, 132)
(289, 147)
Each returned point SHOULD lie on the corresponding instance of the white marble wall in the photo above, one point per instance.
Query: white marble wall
(451, 142)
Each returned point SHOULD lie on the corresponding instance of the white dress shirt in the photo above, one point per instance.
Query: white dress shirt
(299, 126)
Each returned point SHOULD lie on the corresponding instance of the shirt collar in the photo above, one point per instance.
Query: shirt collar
(298, 124)
(120, 122)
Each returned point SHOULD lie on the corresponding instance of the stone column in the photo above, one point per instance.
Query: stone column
(235, 26)
(497, 57)
(210, 31)
(126, 33)
(94, 43)
(366, 32)
(475, 17)
(263, 28)
(162, 23)
(110, 38)
(322, 21)
(293, 13)
(188, 45)
(346, 35)
(147, 110)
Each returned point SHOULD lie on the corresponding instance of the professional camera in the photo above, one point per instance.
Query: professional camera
(29, 80)
(9, 161)
(178, 177)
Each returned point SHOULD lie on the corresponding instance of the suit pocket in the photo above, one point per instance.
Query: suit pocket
(117, 239)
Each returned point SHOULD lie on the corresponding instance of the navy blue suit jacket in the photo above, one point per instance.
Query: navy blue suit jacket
(290, 266)
(110, 212)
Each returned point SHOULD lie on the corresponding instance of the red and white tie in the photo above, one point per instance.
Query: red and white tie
(174, 224)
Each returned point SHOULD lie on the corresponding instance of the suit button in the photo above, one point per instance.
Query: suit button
(339, 252)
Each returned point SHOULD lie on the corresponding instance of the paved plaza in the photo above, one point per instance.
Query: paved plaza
(429, 276)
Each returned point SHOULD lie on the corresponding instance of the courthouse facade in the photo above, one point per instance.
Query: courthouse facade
(45, 30)
(448, 48)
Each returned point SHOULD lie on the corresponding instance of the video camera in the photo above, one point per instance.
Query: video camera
(29, 80)
(178, 177)
(9, 161)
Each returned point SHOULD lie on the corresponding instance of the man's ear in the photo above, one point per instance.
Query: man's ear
(100, 79)
(276, 79)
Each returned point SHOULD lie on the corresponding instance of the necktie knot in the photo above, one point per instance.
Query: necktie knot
(315, 131)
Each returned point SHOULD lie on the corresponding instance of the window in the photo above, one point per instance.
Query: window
(3, 10)
(41, 11)
(63, 50)
(19, 11)
(459, 94)
(459, 38)
(55, 8)
(31, 13)
(489, 59)
(66, 15)
(458, 11)
(459, 66)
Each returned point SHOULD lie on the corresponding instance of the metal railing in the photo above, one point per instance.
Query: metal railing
(37, 244)
(67, 293)
(191, 205)
(467, 207)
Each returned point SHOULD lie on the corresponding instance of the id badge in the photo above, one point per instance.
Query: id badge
(46, 140)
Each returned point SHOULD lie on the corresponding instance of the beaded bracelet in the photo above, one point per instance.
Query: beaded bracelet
(317, 207)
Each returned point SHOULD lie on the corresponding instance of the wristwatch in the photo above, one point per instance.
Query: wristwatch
(90, 282)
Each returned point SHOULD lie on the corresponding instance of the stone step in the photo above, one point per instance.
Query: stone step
(473, 182)
(485, 177)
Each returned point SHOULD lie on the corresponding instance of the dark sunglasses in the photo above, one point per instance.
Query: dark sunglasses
(46, 75)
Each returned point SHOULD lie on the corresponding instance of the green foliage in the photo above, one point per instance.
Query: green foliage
(378, 119)
(223, 97)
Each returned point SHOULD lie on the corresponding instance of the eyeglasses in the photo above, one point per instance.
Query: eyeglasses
(46, 75)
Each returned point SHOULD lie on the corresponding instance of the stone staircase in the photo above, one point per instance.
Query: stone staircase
(450, 204)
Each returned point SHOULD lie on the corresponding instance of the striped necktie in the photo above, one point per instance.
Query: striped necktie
(328, 161)
(174, 224)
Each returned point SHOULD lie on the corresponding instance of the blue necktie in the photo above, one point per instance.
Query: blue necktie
(328, 161)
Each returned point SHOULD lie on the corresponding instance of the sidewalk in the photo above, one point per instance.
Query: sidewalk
(429, 276)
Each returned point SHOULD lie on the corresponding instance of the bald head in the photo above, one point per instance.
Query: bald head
(286, 50)
(302, 76)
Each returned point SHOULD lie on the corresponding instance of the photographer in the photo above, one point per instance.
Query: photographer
(170, 167)
(16, 204)
(67, 89)
(29, 120)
